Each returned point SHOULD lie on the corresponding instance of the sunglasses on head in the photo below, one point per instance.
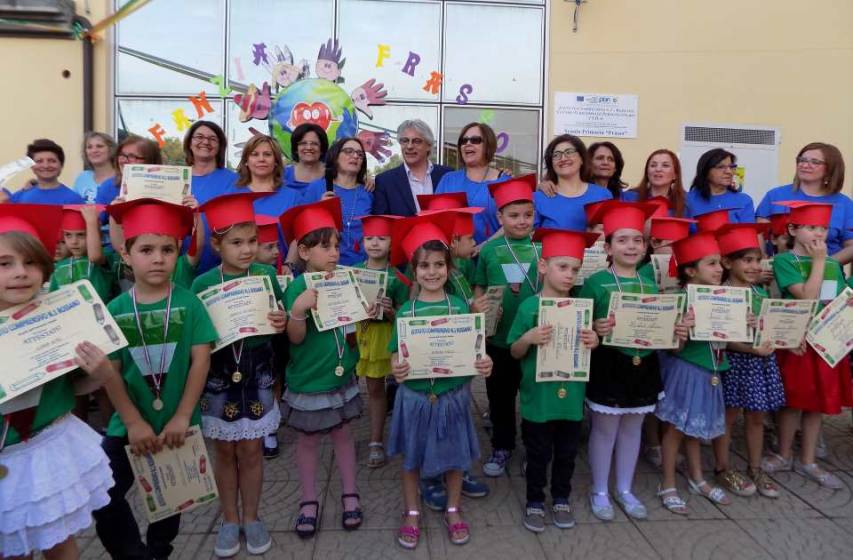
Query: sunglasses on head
(475, 140)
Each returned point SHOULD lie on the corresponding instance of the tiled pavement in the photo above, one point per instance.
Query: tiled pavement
(806, 522)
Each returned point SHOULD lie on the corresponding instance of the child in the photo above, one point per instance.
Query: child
(53, 473)
(551, 413)
(268, 249)
(238, 406)
(322, 393)
(374, 362)
(624, 383)
(692, 406)
(431, 425)
(753, 382)
(508, 260)
(163, 370)
(811, 386)
(82, 236)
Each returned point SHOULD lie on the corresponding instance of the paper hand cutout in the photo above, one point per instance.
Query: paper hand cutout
(374, 144)
(282, 69)
(329, 61)
(254, 104)
(367, 94)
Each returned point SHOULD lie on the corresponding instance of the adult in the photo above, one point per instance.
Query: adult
(566, 165)
(261, 170)
(819, 177)
(605, 167)
(397, 189)
(713, 188)
(133, 149)
(308, 146)
(476, 147)
(662, 177)
(49, 158)
(98, 150)
(345, 172)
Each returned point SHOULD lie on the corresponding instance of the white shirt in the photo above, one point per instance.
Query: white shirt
(418, 186)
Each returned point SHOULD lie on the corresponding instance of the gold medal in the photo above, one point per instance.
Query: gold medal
(433, 398)
(339, 371)
(561, 394)
(157, 404)
(236, 377)
(4, 471)
(715, 380)
(636, 360)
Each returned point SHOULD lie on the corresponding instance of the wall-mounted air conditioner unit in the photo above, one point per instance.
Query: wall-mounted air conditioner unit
(756, 148)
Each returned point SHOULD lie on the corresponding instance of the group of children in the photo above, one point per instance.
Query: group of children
(167, 379)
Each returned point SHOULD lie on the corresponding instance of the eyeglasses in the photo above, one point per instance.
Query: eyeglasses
(475, 140)
(200, 139)
(353, 152)
(731, 166)
(130, 157)
(811, 161)
(413, 141)
(567, 153)
(308, 144)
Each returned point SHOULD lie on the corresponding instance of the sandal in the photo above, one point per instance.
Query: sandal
(670, 499)
(355, 515)
(409, 535)
(306, 520)
(460, 527)
(735, 482)
(773, 463)
(715, 494)
(376, 458)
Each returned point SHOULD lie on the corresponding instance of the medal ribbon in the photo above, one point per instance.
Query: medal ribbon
(157, 378)
(619, 287)
(533, 287)
(237, 354)
(449, 312)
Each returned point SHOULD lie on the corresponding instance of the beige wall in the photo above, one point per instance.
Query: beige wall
(783, 63)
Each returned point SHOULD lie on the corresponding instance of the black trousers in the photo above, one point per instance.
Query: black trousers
(555, 442)
(115, 524)
(502, 390)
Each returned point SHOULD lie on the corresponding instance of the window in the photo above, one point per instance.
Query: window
(448, 62)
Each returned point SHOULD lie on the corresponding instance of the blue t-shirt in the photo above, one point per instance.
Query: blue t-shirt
(206, 188)
(839, 224)
(36, 195)
(85, 186)
(565, 212)
(290, 180)
(631, 195)
(739, 204)
(486, 222)
(107, 192)
(354, 203)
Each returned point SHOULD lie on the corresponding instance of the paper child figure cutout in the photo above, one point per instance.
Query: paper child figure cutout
(329, 61)
(282, 69)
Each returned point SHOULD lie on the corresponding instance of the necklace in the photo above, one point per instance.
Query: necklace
(339, 348)
(157, 378)
(433, 398)
(715, 363)
(534, 287)
(353, 208)
(236, 376)
(636, 359)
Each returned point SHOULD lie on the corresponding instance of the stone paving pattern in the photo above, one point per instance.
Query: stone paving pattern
(806, 522)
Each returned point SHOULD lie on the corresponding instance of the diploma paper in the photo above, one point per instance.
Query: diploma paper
(340, 301)
(565, 358)
(495, 297)
(645, 321)
(594, 259)
(239, 308)
(444, 346)
(169, 183)
(9, 170)
(831, 330)
(373, 285)
(37, 339)
(666, 283)
(784, 322)
(175, 480)
(284, 281)
(721, 313)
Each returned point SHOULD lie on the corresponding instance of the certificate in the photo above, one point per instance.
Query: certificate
(784, 322)
(340, 301)
(831, 330)
(495, 297)
(565, 357)
(169, 183)
(37, 339)
(594, 259)
(644, 321)
(239, 308)
(284, 281)
(443, 346)
(373, 285)
(721, 313)
(9, 170)
(666, 283)
(175, 480)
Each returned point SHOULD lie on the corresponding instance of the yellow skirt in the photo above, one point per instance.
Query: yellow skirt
(374, 358)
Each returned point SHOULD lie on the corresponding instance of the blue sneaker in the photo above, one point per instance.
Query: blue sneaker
(473, 488)
(495, 465)
(227, 540)
(434, 494)
(258, 539)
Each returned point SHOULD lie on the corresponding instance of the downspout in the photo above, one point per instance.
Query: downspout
(88, 74)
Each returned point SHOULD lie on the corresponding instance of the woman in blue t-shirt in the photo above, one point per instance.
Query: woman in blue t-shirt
(98, 164)
(713, 188)
(49, 158)
(662, 177)
(605, 167)
(308, 147)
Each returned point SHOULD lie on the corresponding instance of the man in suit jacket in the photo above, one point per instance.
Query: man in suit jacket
(396, 188)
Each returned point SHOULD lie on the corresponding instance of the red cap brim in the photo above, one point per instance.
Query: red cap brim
(564, 243)
(301, 220)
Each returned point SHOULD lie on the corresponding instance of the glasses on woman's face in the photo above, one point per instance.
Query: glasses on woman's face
(308, 144)
(475, 140)
(724, 167)
(560, 154)
(810, 161)
(201, 139)
(353, 152)
(130, 157)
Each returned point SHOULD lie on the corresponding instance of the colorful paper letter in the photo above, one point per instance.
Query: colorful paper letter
(201, 104)
(158, 133)
(219, 82)
(434, 83)
(181, 120)
(503, 142)
(384, 52)
(462, 98)
(413, 60)
(260, 52)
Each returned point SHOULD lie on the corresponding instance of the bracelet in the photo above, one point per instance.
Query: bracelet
(303, 318)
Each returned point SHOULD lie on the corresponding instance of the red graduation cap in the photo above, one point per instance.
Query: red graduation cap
(463, 223)
(591, 208)
(513, 189)
(616, 215)
(443, 201)
(661, 204)
(378, 225)
(564, 242)
(408, 234)
(691, 249)
(267, 228)
(149, 215)
(670, 229)
(301, 220)
(713, 220)
(807, 213)
(779, 224)
(72, 218)
(737, 237)
(39, 220)
(227, 210)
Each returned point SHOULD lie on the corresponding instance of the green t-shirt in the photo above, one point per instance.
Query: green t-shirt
(461, 279)
(184, 272)
(70, 270)
(497, 267)
(213, 277)
(57, 399)
(189, 325)
(647, 271)
(311, 368)
(759, 294)
(540, 401)
(431, 309)
(790, 269)
(121, 276)
(699, 353)
(397, 291)
(600, 285)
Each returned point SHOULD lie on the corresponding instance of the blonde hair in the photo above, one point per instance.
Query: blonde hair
(244, 175)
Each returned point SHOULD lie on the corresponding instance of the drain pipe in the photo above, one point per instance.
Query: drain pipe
(88, 74)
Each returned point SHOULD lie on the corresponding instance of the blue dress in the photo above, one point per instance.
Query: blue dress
(36, 195)
(739, 204)
(840, 223)
(566, 212)
(354, 203)
(486, 222)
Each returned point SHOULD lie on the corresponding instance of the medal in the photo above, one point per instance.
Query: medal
(715, 380)
(156, 378)
(157, 404)
(236, 353)
(339, 371)
(433, 398)
(339, 347)
(236, 377)
(636, 360)
(561, 394)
